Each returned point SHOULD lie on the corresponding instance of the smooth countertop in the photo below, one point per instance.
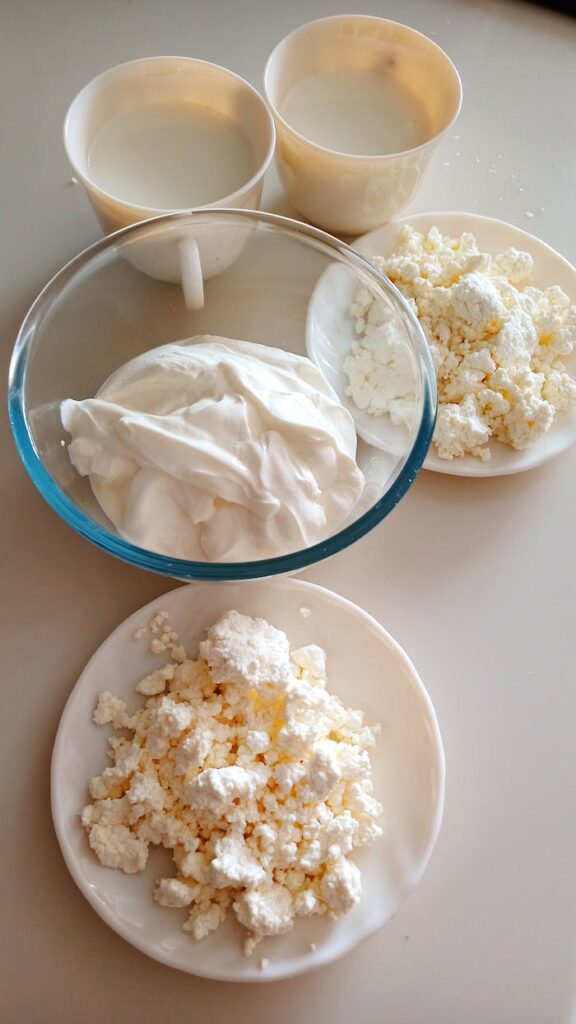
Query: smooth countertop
(476, 578)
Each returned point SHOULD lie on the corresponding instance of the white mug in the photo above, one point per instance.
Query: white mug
(170, 82)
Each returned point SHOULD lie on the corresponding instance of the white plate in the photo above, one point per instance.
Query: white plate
(367, 669)
(330, 332)
(493, 236)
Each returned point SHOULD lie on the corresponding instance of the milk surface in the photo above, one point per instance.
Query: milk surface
(364, 113)
(171, 158)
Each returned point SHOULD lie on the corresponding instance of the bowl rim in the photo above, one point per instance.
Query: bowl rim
(184, 569)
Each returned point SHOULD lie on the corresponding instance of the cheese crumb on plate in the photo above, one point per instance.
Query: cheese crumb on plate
(242, 758)
(498, 309)
(246, 802)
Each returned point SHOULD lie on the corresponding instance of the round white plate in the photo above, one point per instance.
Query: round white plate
(330, 331)
(367, 669)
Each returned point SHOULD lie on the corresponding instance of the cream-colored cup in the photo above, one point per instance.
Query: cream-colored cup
(165, 82)
(171, 83)
(347, 194)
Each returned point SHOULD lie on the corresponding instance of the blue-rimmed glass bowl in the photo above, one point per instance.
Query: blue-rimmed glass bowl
(124, 295)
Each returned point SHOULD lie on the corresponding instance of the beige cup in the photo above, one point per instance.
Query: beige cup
(347, 194)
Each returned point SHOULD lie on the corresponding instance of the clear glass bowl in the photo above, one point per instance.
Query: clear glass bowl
(124, 295)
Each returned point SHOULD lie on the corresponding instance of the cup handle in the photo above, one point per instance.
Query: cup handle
(191, 274)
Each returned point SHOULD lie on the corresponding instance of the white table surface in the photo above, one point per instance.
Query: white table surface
(476, 578)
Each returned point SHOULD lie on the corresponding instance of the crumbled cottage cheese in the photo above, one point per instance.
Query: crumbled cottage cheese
(246, 768)
(497, 343)
(380, 367)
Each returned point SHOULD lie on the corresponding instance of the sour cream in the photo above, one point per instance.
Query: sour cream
(212, 449)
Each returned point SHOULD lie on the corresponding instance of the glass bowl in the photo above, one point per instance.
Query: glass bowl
(136, 290)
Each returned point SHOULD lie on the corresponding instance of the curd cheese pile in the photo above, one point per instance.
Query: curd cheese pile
(497, 343)
(246, 768)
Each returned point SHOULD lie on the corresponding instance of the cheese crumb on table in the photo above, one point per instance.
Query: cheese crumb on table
(498, 344)
(255, 777)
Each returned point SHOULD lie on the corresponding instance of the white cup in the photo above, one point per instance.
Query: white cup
(339, 192)
(169, 83)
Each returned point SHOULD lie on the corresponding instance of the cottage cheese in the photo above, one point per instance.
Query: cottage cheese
(245, 767)
(380, 368)
(497, 341)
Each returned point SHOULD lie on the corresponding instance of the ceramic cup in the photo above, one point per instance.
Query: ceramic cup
(170, 83)
(347, 194)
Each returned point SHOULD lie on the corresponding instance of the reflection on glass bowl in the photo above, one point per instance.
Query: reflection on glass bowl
(116, 301)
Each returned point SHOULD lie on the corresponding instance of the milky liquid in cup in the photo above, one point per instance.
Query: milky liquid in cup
(363, 113)
(171, 158)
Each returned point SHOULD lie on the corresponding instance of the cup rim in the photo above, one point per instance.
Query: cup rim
(186, 569)
(360, 157)
(157, 211)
